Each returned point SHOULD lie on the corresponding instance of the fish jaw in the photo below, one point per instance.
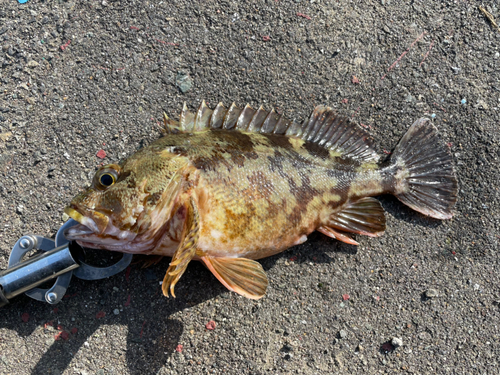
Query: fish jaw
(96, 230)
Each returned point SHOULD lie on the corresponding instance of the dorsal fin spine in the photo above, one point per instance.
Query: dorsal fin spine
(257, 120)
(186, 121)
(323, 127)
(202, 117)
(231, 117)
(245, 118)
(218, 116)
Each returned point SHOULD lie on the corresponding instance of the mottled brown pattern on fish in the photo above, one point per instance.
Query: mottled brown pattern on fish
(245, 189)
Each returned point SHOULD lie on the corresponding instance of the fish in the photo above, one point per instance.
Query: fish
(230, 186)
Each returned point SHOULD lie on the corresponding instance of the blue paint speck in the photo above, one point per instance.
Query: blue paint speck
(433, 115)
(463, 101)
(22, 1)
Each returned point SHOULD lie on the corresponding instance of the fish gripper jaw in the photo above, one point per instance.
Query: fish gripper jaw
(58, 260)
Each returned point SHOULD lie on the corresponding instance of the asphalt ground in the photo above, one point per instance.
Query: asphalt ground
(86, 83)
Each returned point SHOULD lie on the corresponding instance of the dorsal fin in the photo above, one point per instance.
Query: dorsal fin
(323, 127)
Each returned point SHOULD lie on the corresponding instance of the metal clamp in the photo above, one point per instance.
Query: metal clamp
(59, 261)
(33, 242)
(86, 271)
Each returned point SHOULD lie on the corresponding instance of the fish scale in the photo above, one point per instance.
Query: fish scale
(230, 186)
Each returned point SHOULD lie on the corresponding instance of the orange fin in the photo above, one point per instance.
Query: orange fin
(241, 275)
(336, 235)
(185, 252)
(364, 216)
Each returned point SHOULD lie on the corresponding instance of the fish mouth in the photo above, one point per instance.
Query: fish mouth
(90, 222)
(90, 231)
(95, 230)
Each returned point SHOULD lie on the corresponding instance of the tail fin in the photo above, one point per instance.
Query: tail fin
(424, 178)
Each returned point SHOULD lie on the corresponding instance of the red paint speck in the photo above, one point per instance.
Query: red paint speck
(74, 331)
(304, 16)
(449, 144)
(294, 258)
(344, 101)
(65, 45)
(178, 348)
(128, 301)
(62, 335)
(48, 324)
(377, 298)
(355, 80)
(134, 28)
(210, 325)
(142, 329)
(25, 317)
(101, 154)
(266, 38)
(100, 314)
(345, 297)
(453, 252)
(386, 152)
(60, 327)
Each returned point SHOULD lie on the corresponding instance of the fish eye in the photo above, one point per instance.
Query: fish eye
(107, 179)
(106, 176)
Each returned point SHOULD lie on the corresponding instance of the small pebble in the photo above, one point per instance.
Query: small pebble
(431, 293)
(116, 311)
(342, 334)
(116, 289)
(183, 82)
(397, 342)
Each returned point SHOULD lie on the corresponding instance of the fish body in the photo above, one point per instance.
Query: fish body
(228, 187)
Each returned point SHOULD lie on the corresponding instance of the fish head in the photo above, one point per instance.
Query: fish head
(127, 204)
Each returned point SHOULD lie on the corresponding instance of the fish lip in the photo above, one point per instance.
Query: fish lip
(93, 220)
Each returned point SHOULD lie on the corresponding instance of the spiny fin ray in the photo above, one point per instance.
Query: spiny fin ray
(323, 127)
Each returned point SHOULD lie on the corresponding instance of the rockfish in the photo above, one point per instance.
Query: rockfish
(230, 186)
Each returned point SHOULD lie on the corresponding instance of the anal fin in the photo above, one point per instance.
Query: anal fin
(241, 275)
(185, 252)
(364, 216)
(327, 231)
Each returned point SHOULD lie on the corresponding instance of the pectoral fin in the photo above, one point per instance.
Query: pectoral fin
(241, 275)
(364, 216)
(185, 251)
